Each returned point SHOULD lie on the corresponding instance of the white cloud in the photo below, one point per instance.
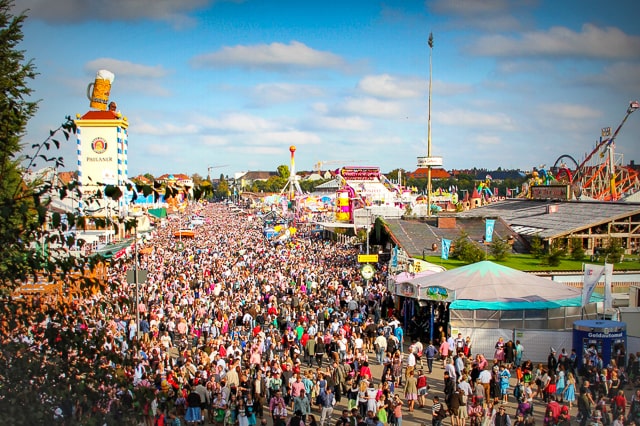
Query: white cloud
(236, 123)
(125, 68)
(274, 56)
(390, 87)
(164, 129)
(487, 139)
(489, 15)
(160, 149)
(131, 77)
(212, 140)
(350, 123)
(320, 107)
(258, 150)
(290, 137)
(373, 107)
(571, 119)
(70, 11)
(590, 42)
(447, 88)
(564, 111)
(468, 7)
(622, 76)
(278, 93)
(475, 119)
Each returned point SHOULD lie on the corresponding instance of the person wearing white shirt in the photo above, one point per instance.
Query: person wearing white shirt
(485, 380)
(358, 343)
(449, 368)
(465, 386)
(411, 364)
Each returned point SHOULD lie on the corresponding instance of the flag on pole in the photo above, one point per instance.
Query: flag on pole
(488, 232)
(592, 274)
(394, 257)
(608, 275)
(446, 246)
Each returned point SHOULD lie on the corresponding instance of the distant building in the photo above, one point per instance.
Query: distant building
(178, 179)
(247, 179)
(423, 173)
(496, 175)
(500, 175)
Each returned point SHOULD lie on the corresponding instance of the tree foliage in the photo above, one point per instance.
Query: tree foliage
(536, 246)
(465, 250)
(614, 250)
(500, 248)
(577, 251)
(48, 360)
(553, 257)
(19, 213)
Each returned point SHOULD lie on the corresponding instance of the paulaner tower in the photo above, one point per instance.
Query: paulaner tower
(102, 147)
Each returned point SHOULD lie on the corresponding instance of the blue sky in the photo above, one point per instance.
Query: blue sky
(516, 84)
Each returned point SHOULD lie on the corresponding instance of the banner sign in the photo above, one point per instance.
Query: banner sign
(488, 232)
(446, 246)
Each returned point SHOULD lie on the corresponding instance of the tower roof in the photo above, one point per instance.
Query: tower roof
(100, 115)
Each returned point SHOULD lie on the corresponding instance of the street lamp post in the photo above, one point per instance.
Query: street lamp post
(429, 161)
(429, 129)
(136, 282)
(135, 271)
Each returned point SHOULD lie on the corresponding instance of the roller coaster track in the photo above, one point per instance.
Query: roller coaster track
(603, 177)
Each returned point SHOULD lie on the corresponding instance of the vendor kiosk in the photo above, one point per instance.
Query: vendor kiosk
(593, 338)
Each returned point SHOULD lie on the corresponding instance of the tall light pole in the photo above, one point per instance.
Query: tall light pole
(430, 42)
(429, 161)
(135, 216)
(135, 271)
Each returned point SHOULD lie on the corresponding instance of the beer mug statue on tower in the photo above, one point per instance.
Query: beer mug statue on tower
(98, 91)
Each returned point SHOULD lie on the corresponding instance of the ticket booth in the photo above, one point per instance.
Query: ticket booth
(600, 337)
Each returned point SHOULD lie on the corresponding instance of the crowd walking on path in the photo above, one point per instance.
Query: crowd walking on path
(237, 329)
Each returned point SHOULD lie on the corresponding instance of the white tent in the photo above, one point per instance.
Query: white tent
(488, 285)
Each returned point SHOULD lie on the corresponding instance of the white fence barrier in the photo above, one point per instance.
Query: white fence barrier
(537, 343)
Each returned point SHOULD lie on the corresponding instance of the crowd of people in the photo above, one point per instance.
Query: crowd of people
(237, 329)
(234, 328)
(479, 389)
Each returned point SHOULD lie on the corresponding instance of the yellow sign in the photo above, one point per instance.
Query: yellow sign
(367, 258)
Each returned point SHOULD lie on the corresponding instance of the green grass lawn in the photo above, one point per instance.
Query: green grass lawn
(526, 262)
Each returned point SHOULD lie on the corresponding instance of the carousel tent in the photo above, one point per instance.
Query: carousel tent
(487, 285)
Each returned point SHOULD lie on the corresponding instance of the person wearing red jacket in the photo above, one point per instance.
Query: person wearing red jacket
(618, 404)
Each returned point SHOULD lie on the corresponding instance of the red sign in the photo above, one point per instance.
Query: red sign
(360, 173)
(551, 192)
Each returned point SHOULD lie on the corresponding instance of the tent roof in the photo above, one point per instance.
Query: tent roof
(488, 285)
(159, 213)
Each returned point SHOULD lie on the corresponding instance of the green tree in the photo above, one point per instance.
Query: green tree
(17, 207)
(577, 251)
(222, 191)
(536, 246)
(557, 250)
(500, 248)
(197, 179)
(283, 171)
(276, 183)
(614, 251)
(465, 250)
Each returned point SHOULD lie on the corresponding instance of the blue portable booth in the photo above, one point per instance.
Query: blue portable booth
(600, 337)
